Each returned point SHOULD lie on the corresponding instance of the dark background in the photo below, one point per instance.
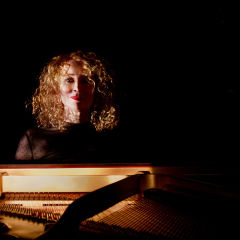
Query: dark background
(176, 67)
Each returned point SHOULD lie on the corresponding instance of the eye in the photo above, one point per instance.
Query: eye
(69, 80)
(86, 80)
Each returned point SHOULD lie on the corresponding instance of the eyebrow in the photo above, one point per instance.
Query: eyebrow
(71, 74)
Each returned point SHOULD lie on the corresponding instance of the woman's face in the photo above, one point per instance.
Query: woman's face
(76, 89)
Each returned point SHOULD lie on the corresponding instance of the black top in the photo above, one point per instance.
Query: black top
(79, 142)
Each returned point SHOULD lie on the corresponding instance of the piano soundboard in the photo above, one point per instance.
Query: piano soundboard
(96, 201)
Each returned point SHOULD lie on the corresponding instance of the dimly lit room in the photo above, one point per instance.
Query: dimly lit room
(165, 152)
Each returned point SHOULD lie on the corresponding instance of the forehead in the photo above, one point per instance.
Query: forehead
(74, 68)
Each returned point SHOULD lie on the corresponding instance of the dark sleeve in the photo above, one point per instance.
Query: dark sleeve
(24, 150)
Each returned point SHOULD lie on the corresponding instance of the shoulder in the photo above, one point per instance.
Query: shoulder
(33, 139)
(23, 151)
(32, 133)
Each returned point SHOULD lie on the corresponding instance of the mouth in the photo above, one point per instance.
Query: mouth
(76, 98)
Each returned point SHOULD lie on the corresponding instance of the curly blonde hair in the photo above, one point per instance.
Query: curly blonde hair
(46, 101)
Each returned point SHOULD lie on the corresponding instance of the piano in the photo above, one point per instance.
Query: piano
(118, 201)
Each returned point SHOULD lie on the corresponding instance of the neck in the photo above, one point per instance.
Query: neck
(76, 116)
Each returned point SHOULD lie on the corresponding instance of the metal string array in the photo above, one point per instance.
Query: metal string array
(38, 206)
(138, 215)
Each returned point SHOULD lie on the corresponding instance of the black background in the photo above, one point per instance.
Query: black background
(176, 67)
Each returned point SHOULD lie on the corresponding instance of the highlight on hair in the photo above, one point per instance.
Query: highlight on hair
(46, 102)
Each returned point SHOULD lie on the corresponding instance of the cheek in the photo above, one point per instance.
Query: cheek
(86, 91)
(91, 96)
(65, 90)
(90, 91)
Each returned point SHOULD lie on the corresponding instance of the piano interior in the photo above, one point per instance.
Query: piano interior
(121, 201)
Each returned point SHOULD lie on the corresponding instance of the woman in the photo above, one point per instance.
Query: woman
(74, 109)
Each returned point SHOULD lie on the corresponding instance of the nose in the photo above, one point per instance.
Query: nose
(76, 87)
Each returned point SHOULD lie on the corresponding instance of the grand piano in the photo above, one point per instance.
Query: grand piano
(118, 201)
